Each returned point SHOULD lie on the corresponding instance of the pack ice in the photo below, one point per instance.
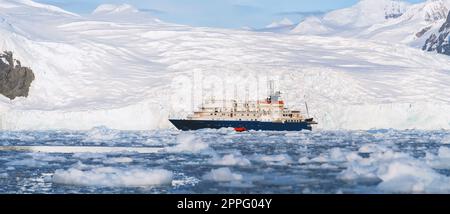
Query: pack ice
(121, 68)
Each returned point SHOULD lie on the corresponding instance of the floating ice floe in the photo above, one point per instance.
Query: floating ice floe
(231, 160)
(446, 139)
(441, 160)
(118, 160)
(113, 177)
(332, 155)
(222, 175)
(303, 160)
(281, 159)
(396, 172)
(3, 175)
(190, 143)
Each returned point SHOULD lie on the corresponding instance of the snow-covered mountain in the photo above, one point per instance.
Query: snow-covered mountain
(282, 23)
(364, 14)
(387, 20)
(439, 41)
(282, 26)
(114, 9)
(28, 5)
(99, 70)
(120, 13)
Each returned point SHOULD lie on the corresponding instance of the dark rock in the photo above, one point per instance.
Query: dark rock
(439, 42)
(423, 32)
(392, 15)
(15, 80)
(446, 25)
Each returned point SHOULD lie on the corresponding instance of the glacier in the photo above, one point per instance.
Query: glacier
(123, 69)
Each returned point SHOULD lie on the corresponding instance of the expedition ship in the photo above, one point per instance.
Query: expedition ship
(269, 114)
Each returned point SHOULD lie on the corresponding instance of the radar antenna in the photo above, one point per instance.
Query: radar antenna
(307, 109)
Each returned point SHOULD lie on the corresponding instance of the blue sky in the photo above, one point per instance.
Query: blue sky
(217, 13)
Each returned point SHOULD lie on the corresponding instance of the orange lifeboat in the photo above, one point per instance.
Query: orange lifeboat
(240, 129)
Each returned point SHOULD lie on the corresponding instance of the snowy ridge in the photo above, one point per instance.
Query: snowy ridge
(282, 23)
(121, 13)
(283, 26)
(114, 9)
(414, 26)
(93, 71)
(20, 4)
(439, 41)
(388, 20)
(365, 13)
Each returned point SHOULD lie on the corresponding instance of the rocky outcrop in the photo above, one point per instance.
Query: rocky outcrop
(15, 80)
(439, 41)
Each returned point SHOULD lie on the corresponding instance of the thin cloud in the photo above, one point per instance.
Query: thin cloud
(153, 11)
(301, 13)
(246, 8)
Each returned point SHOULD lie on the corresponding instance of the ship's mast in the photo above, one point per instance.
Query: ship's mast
(247, 98)
(271, 92)
(271, 87)
(235, 98)
(307, 109)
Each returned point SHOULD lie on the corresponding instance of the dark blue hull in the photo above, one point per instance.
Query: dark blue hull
(187, 125)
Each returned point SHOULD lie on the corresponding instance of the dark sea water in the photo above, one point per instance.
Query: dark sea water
(223, 161)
